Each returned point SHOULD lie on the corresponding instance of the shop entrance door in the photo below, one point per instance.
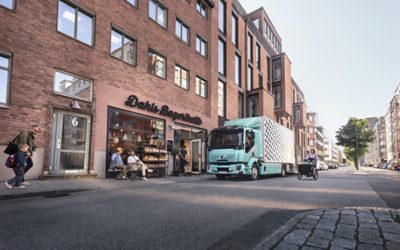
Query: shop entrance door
(195, 155)
(70, 143)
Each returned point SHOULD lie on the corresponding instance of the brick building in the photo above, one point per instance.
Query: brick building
(136, 74)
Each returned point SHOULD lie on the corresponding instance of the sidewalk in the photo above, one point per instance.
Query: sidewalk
(343, 228)
(64, 187)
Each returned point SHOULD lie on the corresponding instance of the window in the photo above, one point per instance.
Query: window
(235, 30)
(269, 73)
(277, 92)
(258, 63)
(253, 106)
(260, 81)
(266, 29)
(10, 4)
(158, 13)
(72, 86)
(201, 8)
(201, 46)
(157, 64)
(296, 114)
(73, 22)
(238, 68)
(240, 105)
(221, 16)
(133, 2)
(256, 23)
(250, 47)
(249, 78)
(182, 31)
(221, 57)
(5, 72)
(201, 87)
(276, 70)
(221, 99)
(181, 77)
(123, 47)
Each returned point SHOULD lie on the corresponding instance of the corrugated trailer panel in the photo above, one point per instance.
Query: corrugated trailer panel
(278, 142)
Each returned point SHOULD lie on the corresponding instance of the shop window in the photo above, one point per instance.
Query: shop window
(157, 64)
(72, 86)
(133, 132)
(75, 22)
(5, 69)
(201, 46)
(181, 77)
(201, 8)
(201, 87)
(182, 31)
(9, 4)
(123, 47)
(158, 13)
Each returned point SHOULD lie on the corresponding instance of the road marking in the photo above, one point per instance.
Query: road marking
(392, 178)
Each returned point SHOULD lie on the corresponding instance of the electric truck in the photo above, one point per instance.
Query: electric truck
(251, 147)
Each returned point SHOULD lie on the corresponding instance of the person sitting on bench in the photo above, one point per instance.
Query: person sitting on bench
(117, 163)
(136, 164)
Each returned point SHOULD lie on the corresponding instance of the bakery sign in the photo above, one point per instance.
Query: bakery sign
(133, 101)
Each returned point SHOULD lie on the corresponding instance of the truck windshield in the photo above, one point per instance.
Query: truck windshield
(232, 138)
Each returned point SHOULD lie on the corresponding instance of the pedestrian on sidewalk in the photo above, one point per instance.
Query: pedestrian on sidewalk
(20, 165)
(28, 137)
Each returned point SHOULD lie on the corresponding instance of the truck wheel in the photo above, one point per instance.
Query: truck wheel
(220, 176)
(254, 172)
(283, 171)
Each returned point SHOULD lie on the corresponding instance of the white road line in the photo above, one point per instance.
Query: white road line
(392, 178)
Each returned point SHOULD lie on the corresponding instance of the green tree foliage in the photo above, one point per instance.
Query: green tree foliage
(355, 136)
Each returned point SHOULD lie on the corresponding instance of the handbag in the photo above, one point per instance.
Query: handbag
(12, 147)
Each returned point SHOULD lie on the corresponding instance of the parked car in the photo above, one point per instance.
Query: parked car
(322, 165)
(332, 165)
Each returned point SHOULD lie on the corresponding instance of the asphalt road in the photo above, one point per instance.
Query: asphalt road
(185, 213)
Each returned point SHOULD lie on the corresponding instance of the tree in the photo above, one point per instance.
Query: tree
(355, 136)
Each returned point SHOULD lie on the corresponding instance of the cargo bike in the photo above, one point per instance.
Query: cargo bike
(308, 169)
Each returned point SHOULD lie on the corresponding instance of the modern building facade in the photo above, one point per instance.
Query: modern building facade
(137, 74)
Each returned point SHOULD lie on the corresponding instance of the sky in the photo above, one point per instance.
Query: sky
(345, 54)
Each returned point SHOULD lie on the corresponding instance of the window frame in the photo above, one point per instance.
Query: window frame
(178, 20)
(78, 8)
(90, 99)
(235, 30)
(238, 70)
(153, 51)
(250, 47)
(124, 34)
(222, 41)
(224, 96)
(258, 56)
(9, 56)
(250, 78)
(181, 68)
(220, 4)
(13, 8)
(203, 81)
(241, 111)
(162, 6)
(205, 45)
(202, 4)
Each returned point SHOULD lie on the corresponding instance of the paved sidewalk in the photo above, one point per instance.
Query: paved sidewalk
(345, 228)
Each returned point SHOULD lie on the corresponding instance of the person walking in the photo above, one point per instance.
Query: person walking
(28, 137)
(183, 159)
(20, 163)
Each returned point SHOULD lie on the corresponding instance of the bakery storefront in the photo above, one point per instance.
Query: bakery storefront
(154, 132)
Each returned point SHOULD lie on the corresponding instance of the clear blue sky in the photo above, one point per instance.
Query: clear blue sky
(345, 54)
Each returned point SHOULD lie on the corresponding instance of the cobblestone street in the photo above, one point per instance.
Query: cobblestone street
(346, 228)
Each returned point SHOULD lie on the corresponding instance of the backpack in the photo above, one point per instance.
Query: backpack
(11, 161)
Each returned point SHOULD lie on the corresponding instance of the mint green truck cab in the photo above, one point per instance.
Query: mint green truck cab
(251, 147)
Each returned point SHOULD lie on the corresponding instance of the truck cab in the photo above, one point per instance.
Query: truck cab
(231, 150)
